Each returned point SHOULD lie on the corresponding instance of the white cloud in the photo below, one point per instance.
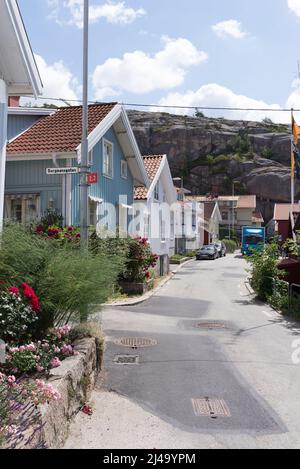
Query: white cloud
(58, 81)
(71, 12)
(229, 28)
(138, 72)
(294, 6)
(214, 95)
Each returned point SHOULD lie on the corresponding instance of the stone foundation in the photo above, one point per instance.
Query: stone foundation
(75, 380)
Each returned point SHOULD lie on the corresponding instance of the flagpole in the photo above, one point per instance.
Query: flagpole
(292, 162)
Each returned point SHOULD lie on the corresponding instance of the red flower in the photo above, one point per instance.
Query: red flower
(39, 229)
(78, 235)
(14, 291)
(70, 228)
(148, 275)
(28, 293)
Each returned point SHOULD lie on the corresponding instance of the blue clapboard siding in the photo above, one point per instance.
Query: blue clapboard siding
(26, 177)
(17, 124)
(107, 189)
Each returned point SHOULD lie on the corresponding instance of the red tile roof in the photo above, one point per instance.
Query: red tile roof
(257, 217)
(59, 132)
(247, 201)
(152, 164)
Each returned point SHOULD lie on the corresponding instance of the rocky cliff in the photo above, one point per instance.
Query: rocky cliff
(212, 153)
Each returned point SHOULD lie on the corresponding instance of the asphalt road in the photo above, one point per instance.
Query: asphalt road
(213, 344)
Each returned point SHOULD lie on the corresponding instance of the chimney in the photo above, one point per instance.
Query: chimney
(14, 101)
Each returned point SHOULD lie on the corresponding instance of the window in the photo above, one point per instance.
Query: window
(156, 192)
(124, 169)
(172, 224)
(147, 226)
(162, 227)
(91, 158)
(225, 216)
(107, 158)
(93, 213)
(22, 208)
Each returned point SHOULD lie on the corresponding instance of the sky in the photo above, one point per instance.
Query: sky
(217, 53)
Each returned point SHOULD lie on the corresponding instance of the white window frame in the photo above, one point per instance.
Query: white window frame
(124, 165)
(91, 157)
(147, 225)
(156, 192)
(105, 174)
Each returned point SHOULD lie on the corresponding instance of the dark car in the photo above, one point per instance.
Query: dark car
(221, 248)
(207, 252)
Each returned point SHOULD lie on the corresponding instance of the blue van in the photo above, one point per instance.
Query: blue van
(253, 239)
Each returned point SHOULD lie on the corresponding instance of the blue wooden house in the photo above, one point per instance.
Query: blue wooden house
(43, 139)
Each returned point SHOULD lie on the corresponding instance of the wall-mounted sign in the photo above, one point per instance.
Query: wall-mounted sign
(92, 178)
(61, 171)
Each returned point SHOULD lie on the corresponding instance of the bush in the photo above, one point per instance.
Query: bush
(265, 271)
(67, 280)
(231, 245)
(18, 314)
(139, 261)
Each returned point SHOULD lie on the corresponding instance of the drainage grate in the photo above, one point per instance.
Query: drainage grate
(136, 342)
(213, 408)
(126, 360)
(210, 325)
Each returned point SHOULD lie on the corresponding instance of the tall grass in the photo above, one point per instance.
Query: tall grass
(67, 280)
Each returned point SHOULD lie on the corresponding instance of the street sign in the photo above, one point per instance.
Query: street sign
(61, 171)
(92, 178)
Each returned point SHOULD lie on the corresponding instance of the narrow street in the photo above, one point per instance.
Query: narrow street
(211, 341)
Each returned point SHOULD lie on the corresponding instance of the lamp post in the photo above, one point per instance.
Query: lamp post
(84, 169)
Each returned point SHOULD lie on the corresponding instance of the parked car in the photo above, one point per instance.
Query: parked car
(207, 252)
(221, 248)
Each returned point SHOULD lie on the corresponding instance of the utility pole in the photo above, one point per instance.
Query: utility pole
(84, 169)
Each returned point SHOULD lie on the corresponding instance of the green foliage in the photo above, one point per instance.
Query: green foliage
(139, 260)
(267, 121)
(280, 296)
(240, 144)
(231, 245)
(51, 218)
(67, 280)
(291, 247)
(267, 153)
(265, 271)
(199, 114)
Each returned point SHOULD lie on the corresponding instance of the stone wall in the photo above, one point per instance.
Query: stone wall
(75, 380)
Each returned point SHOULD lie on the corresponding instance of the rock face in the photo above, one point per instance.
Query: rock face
(212, 153)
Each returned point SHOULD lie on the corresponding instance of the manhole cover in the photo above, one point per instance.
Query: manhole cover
(126, 360)
(213, 408)
(136, 342)
(210, 325)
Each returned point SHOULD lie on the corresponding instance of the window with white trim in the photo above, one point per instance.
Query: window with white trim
(162, 224)
(124, 169)
(91, 158)
(156, 192)
(172, 223)
(147, 226)
(108, 158)
(93, 208)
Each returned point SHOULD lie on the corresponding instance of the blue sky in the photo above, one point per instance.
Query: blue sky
(185, 52)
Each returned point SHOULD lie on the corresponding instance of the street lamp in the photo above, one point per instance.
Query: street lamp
(84, 168)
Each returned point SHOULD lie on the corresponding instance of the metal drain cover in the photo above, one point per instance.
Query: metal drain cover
(213, 408)
(126, 360)
(210, 325)
(136, 342)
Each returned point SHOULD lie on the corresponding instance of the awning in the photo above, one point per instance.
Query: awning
(97, 200)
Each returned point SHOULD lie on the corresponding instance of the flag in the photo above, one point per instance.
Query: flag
(296, 161)
(295, 130)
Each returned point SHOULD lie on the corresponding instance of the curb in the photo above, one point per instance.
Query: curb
(248, 286)
(142, 299)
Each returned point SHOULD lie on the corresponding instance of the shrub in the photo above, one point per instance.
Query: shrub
(19, 310)
(265, 271)
(19, 416)
(67, 280)
(231, 245)
(140, 259)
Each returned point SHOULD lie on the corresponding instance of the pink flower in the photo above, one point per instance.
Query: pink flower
(55, 362)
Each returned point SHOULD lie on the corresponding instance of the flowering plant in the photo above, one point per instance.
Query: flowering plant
(19, 416)
(19, 310)
(69, 234)
(140, 260)
(41, 356)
